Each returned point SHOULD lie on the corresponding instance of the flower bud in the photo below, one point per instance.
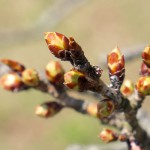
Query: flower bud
(72, 79)
(48, 109)
(54, 72)
(105, 108)
(11, 82)
(30, 77)
(127, 88)
(92, 109)
(14, 65)
(115, 61)
(107, 135)
(56, 42)
(116, 64)
(143, 85)
(146, 55)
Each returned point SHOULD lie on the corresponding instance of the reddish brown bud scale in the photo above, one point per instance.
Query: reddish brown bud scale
(105, 108)
(11, 82)
(54, 72)
(146, 55)
(48, 109)
(56, 42)
(71, 79)
(14, 65)
(30, 77)
(143, 85)
(107, 135)
(73, 45)
(145, 70)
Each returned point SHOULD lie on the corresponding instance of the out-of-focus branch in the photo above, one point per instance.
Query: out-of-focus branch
(58, 91)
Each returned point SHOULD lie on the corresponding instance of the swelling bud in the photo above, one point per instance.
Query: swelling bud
(48, 109)
(56, 42)
(72, 79)
(146, 55)
(30, 77)
(143, 85)
(127, 88)
(105, 108)
(54, 72)
(107, 135)
(11, 82)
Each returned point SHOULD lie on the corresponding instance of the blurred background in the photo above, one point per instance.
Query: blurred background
(98, 26)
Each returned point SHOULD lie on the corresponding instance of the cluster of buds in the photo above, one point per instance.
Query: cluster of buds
(30, 77)
(15, 80)
(73, 79)
(56, 42)
(48, 109)
(127, 88)
(105, 108)
(11, 82)
(54, 72)
(107, 135)
(116, 68)
(143, 85)
(14, 65)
